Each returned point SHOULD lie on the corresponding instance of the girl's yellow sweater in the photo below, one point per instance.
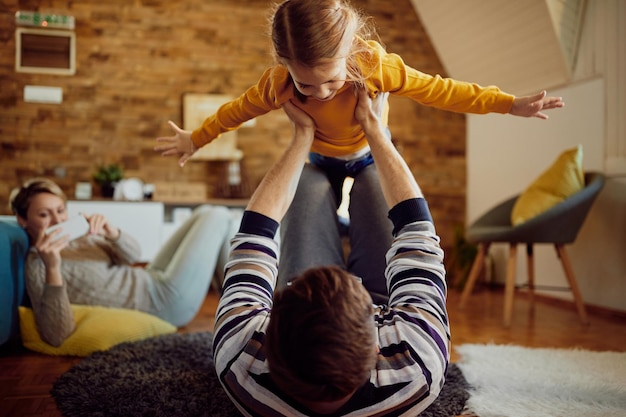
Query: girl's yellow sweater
(338, 132)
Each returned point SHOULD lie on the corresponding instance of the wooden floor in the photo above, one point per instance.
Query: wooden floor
(26, 378)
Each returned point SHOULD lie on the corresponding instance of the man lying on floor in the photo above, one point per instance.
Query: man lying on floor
(318, 346)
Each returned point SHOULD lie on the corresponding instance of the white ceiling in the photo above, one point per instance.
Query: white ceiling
(520, 46)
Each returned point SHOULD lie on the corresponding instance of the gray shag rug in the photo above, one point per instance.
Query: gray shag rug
(174, 375)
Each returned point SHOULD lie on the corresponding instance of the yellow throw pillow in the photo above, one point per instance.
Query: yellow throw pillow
(564, 178)
(97, 328)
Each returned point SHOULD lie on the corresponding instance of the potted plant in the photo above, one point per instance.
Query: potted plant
(107, 176)
(461, 258)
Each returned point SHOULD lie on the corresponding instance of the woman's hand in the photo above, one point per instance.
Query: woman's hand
(49, 247)
(531, 106)
(99, 225)
(179, 144)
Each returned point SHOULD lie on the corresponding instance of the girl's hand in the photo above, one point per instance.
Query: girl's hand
(99, 225)
(531, 106)
(179, 144)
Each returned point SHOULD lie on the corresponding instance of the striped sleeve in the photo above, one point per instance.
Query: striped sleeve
(249, 283)
(244, 307)
(414, 333)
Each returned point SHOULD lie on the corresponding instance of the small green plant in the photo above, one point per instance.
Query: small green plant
(462, 258)
(108, 174)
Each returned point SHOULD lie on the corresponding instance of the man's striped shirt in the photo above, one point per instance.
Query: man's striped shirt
(413, 330)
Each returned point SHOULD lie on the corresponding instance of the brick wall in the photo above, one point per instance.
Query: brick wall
(136, 58)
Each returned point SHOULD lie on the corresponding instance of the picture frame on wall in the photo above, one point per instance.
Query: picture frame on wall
(45, 51)
(196, 108)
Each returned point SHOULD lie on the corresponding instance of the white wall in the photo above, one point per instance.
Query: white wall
(143, 220)
(506, 153)
(602, 53)
(515, 45)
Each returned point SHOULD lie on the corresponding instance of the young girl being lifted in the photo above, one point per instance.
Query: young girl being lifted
(324, 48)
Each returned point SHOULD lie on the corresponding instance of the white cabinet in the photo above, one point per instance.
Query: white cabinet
(151, 223)
(141, 219)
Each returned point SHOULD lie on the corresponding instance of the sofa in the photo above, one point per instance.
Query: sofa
(13, 249)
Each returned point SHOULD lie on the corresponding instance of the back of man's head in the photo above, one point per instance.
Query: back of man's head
(320, 340)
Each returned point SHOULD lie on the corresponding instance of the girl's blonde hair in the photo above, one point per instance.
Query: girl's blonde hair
(307, 31)
(20, 198)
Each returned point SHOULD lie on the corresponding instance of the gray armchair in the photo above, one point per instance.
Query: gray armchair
(558, 226)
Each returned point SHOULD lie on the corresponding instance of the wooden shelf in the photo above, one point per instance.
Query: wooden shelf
(228, 202)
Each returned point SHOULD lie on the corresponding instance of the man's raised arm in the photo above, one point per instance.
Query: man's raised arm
(277, 189)
(396, 179)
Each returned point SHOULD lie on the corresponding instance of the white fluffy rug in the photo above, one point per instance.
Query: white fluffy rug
(513, 381)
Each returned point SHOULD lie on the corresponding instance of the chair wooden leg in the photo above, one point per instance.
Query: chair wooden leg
(509, 288)
(571, 278)
(530, 265)
(477, 266)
